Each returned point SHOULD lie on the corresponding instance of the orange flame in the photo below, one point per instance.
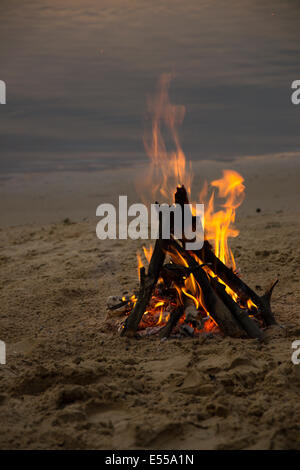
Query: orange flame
(168, 166)
(219, 225)
(148, 252)
(169, 169)
(139, 263)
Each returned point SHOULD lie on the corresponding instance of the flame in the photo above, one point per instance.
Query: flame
(219, 225)
(148, 252)
(167, 170)
(139, 264)
(168, 166)
(251, 305)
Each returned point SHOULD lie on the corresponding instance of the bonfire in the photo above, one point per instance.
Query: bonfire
(183, 292)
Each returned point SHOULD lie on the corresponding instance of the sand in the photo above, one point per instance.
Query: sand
(71, 382)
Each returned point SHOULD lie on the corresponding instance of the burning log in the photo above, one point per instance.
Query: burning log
(241, 315)
(227, 275)
(173, 272)
(243, 291)
(120, 304)
(147, 284)
(172, 322)
(228, 314)
(191, 314)
(213, 304)
(181, 196)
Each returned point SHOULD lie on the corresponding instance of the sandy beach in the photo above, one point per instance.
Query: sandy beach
(71, 382)
(136, 98)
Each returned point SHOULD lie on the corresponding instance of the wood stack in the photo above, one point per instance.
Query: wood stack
(234, 318)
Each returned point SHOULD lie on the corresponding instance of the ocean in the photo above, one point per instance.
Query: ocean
(78, 74)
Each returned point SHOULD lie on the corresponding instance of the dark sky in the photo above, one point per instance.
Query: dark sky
(78, 73)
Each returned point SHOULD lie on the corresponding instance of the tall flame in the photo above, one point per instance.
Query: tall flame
(168, 167)
(219, 224)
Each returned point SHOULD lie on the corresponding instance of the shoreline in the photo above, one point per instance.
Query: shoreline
(41, 198)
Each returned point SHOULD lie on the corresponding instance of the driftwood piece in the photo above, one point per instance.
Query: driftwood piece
(172, 272)
(214, 305)
(191, 314)
(243, 291)
(190, 311)
(147, 284)
(241, 316)
(172, 322)
(181, 196)
(266, 298)
(186, 330)
(119, 304)
(177, 271)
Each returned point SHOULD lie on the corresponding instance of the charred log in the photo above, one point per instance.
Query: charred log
(243, 291)
(172, 322)
(227, 275)
(181, 196)
(213, 304)
(241, 315)
(147, 284)
(177, 273)
(191, 314)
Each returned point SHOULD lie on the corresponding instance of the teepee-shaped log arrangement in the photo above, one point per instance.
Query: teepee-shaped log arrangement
(225, 296)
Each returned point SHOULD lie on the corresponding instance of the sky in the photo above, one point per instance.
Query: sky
(78, 73)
